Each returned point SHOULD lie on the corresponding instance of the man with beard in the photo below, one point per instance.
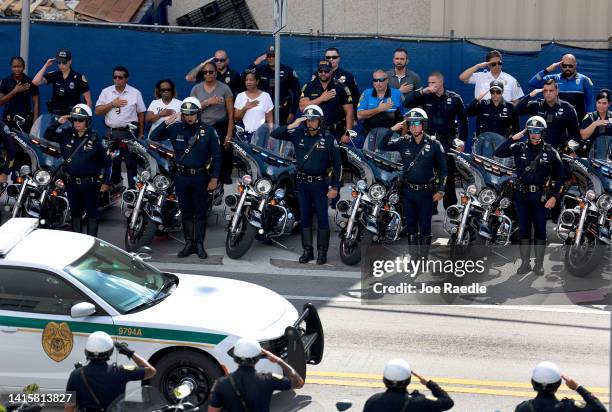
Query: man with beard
(400, 77)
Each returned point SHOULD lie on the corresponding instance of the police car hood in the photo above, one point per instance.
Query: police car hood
(226, 306)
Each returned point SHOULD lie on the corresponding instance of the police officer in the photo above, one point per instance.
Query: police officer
(315, 150)
(86, 164)
(345, 78)
(98, 384)
(68, 85)
(396, 377)
(289, 84)
(596, 123)
(545, 380)
(494, 115)
(195, 143)
(422, 156)
(536, 164)
(445, 111)
(248, 390)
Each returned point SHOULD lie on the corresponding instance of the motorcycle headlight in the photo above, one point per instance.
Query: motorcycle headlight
(604, 202)
(377, 191)
(591, 195)
(487, 196)
(247, 179)
(394, 199)
(504, 203)
(144, 176)
(471, 189)
(25, 170)
(279, 193)
(362, 185)
(263, 186)
(161, 182)
(42, 177)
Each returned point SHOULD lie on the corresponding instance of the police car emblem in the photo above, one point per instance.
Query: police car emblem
(71, 85)
(57, 341)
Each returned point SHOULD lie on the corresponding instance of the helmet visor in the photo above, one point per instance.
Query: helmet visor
(535, 130)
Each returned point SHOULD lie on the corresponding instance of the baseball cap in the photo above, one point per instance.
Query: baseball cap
(496, 84)
(63, 55)
(271, 51)
(324, 64)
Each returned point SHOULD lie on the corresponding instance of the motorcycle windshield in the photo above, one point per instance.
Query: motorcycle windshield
(41, 124)
(386, 165)
(262, 139)
(46, 152)
(486, 144)
(601, 149)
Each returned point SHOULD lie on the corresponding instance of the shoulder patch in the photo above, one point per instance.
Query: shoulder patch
(589, 80)
(83, 78)
(295, 74)
(304, 87)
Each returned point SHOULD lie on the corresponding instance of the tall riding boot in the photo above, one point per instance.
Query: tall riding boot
(322, 245)
(200, 234)
(413, 246)
(76, 224)
(308, 253)
(188, 233)
(540, 248)
(92, 226)
(425, 244)
(525, 249)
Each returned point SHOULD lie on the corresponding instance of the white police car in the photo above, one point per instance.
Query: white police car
(57, 287)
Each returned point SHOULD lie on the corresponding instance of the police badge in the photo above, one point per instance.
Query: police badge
(57, 341)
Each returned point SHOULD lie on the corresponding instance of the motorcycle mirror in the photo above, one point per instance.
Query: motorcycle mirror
(457, 143)
(351, 133)
(344, 405)
(573, 145)
(239, 130)
(19, 120)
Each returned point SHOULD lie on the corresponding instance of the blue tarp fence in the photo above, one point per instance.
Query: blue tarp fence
(151, 55)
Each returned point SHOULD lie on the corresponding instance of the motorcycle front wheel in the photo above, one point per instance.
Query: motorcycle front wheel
(239, 242)
(581, 260)
(350, 250)
(142, 234)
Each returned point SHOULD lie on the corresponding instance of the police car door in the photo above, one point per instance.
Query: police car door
(39, 339)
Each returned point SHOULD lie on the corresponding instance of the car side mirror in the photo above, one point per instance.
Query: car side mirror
(82, 309)
(344, 405)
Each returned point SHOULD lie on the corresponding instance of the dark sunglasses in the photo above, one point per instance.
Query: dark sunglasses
(331, 57)
(165, 90)
(208, 72)
(119, 77)
(414, 123)
(219, 60)
(270, 55)
(495, 91)
(77, 120)
(567, 66)
(324, 71)
(534, 131)
(379, 80)
(493, 64)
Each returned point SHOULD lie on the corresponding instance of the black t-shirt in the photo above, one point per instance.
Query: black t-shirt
(66, 92)
(106, 381)
(20, 103)
(256, 390)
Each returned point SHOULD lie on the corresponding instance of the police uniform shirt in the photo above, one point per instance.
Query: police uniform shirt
(430, 159)
(207, 146)
(482, 82)
(326, 152)
(333, 112)
(394, 400)
(549, 402)
(20, 103)
(577, 89)
(107, 382)
(7, 149)
(605, 130)
(230, 78)
(345, 79)
(442, 112)
(561, 120)
(501, 119)
(256, 390)
(66, 92)
(289, 83)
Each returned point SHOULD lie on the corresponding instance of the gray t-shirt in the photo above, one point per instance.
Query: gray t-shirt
(215, 113)
(410, 78)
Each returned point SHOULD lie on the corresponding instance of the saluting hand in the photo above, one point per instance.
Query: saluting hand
(482, 95)
(63, 119)
(50, 62)
(572, 384)
(553, 66)
(398, 126)
(519, 135)
(422, 379)
(534, 92)
(482, 65)
(297, 122)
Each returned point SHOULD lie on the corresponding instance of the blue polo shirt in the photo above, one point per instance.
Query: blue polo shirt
(369, 100)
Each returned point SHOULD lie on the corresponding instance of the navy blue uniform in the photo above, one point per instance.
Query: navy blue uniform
(231, 78)
(530, 197)
(107, 383)
(66, 91)
(334, 117)
(255, 388)
(548, 402)
(418, 180)
(192, 176)
(289, 88)
(577, 90)
(605, 130)
(89, 164)
(7, 150)
(394, 400)
(21, 103)
(345, 78)
(501, 119)
(312, 172)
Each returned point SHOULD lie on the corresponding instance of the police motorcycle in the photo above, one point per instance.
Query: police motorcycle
(150, 399)
(585, 222)
(373, 214)
(265, 206)
(485, 214)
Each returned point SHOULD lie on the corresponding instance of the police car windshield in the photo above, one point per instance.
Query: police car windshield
(123, 281)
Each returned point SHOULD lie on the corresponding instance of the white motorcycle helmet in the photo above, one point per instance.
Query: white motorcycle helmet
(247, 351)
(99, 346)
(546, 377)
(191, 106)
(312, 111)
(397, 373)
(81, 111)
(416, 114)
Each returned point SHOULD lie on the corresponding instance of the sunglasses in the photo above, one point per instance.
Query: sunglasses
(77, 120)
(493, 64)
(119, 77)
(414, 123)
(567, 66)
(208, 72)
(219, 60)
(324, 71)
(64, 63)
(270, 55)
(495, 91)
(165, 90)
(331, 57)
(379, 80)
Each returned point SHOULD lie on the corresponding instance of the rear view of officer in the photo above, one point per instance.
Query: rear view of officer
(98, 384)
(195, 144)
(247, 390)
(86, 165)
(546, 379)
(397, 377)
(536, 164)
(316, 150)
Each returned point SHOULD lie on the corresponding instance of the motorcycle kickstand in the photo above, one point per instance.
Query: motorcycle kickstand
(175, 238)
(500, 255)
(281, 245)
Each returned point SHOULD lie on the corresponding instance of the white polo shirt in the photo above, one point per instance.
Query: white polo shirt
(128, 113)
(482, 80)
(158, 105)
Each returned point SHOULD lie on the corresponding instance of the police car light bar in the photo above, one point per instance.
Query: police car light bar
(14, 231)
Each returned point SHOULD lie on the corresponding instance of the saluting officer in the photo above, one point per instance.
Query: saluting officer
(494, 115)
(545, 380)
(396, 377)
(86, 164)
(315, 150)
(422, 157)
(195, 143)
(536, 164)
(98, 384)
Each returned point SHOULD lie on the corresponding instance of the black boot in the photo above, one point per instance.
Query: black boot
(92, 226)
(322, 245)
(425, 244)
(525, 249)
(540, 248)
(200, 234)
(413, 246)
(188, 233)
(76, 224)
(308, 253)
